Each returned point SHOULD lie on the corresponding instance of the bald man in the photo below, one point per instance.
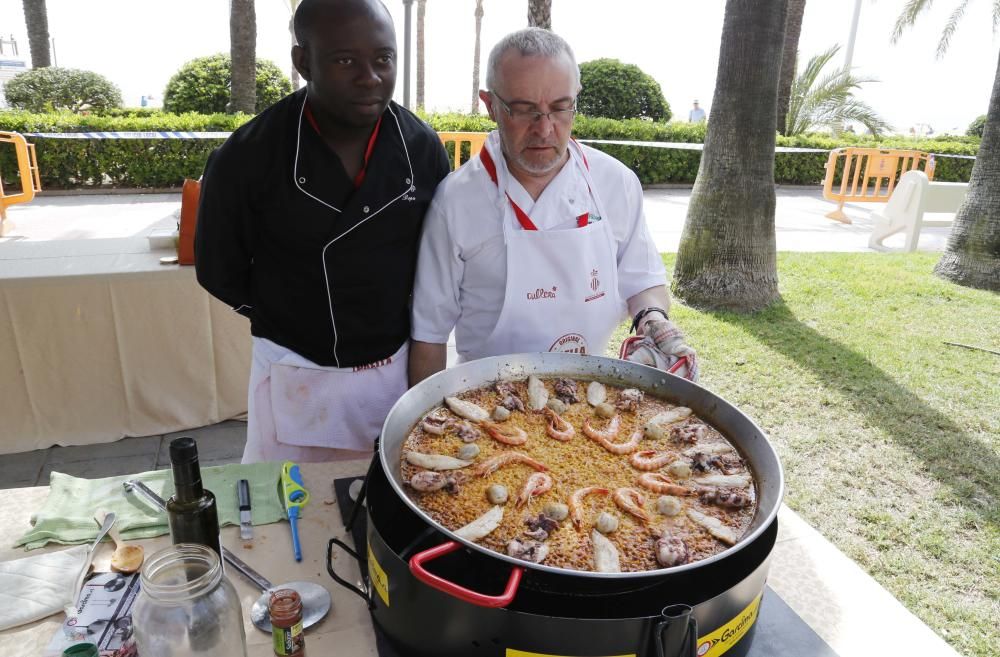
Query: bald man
(308, 225)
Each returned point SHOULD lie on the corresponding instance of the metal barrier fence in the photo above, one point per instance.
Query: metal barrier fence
(862, 172)
(866, 175)
(475, 140)
(27, 166)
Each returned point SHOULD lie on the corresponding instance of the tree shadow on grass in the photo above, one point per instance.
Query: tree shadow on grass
(958, 460)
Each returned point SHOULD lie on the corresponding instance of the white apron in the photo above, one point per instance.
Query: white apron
(562, 285)
(301, 411)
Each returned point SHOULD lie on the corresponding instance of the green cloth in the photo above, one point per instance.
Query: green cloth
(67, 516)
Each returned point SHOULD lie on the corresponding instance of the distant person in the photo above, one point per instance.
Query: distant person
(849, 129)
(697, 114)
(309, 224)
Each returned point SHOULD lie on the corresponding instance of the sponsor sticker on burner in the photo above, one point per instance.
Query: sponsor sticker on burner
(721, 640)
(378, 577)
(521, 653)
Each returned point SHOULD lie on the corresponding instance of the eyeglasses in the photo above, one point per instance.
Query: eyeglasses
(560, 116)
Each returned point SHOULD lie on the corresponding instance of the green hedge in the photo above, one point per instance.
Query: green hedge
(133, 163)
(166, 162)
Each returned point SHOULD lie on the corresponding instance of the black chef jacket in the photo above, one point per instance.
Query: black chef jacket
(318, 266)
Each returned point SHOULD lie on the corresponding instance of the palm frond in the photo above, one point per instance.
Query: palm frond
(996, 15)
(816, 65)
(856, 110)
(821, 99)
(949, 28)
(908, 17)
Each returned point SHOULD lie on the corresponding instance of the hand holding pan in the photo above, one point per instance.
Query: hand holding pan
(315, 597)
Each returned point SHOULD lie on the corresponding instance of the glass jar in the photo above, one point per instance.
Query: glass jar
(285, 609)
(186, 607)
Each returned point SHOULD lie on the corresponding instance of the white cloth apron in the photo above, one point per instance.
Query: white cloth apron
(301, 411)
(562, 285)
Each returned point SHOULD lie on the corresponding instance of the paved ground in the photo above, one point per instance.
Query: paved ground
(217, 444)
(799, 221)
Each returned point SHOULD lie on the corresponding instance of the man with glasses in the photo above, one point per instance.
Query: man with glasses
(539, 243)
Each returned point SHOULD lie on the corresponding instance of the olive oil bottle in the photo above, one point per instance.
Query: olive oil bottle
(191, 510)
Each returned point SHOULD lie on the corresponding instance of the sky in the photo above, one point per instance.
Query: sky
(140, 44)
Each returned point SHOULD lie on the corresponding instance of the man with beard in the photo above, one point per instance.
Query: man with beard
(539, 243)
(309, 222)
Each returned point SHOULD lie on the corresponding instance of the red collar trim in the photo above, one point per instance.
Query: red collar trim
(522, 216)
(360, 178)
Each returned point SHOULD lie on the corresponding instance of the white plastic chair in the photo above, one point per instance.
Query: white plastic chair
(914, 197)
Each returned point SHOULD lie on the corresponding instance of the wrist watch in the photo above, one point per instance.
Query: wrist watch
(645, 311)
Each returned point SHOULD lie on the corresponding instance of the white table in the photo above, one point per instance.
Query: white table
(99, 341)
(347, 630)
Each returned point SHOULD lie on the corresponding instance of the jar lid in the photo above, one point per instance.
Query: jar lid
(82, 650)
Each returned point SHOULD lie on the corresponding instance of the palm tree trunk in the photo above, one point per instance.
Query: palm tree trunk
(421, 12)
(789, 54)
(36, 19)
(540, 13)
(242, 49)
(972, 255)
(726, 258)
(475, 60)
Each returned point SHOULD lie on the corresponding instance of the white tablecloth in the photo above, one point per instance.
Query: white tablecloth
(99, 341)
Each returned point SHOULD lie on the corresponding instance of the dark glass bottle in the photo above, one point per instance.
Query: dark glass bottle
(191, 510)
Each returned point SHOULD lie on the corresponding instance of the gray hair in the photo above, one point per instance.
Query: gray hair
(529, 42)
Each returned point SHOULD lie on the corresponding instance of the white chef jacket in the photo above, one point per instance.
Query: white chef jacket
(462, 268)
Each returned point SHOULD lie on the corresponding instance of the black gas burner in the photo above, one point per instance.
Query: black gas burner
(780, 632)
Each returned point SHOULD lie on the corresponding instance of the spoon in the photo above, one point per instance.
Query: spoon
(109, 521)
(316, 599)
(126, 558)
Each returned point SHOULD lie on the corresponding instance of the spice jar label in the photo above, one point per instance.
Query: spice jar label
(288, 640)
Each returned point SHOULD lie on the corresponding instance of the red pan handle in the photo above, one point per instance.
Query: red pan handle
(418, 560)
(682, 361)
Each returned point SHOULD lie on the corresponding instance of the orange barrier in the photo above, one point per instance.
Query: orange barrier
(863, 171)
(27, 165)
(474, 139)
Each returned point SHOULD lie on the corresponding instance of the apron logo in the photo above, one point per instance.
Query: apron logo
(595, 285)
(571, 343)
(372, 366)
(542, 294)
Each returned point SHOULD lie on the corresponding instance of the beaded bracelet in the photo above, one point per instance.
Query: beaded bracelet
(642, 313)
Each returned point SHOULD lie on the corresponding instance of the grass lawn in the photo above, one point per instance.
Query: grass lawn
(890, 439)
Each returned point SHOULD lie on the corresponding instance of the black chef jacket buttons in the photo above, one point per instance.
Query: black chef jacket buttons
(302, 180)
(365, 209)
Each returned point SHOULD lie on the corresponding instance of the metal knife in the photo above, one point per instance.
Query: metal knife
(243, 493)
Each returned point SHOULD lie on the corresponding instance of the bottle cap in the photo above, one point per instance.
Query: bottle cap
(184, 452)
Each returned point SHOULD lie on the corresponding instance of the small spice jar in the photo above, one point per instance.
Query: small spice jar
(285, 607)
